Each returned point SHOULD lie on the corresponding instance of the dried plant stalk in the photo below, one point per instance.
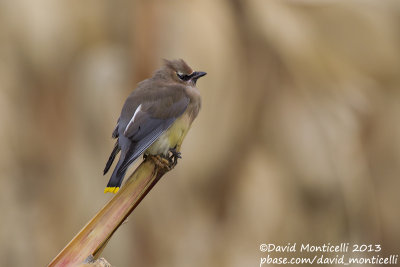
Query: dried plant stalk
(94, 236)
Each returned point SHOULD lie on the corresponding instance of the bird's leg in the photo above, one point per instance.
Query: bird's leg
(161, 162)
(166, 162)
(175, 155)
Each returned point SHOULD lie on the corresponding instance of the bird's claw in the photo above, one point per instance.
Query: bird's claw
(161, 162)
(165, 162)
(175, 155)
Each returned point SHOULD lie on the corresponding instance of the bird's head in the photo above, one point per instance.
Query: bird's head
(180, 72)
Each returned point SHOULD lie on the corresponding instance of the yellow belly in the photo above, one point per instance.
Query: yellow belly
(173, 137)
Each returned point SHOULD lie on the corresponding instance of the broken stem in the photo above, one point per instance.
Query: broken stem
(92, 239)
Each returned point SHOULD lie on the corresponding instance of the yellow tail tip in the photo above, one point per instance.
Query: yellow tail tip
(113, 190)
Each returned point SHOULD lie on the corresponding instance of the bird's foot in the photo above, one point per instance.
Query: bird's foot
(161, 162)
(175, 155)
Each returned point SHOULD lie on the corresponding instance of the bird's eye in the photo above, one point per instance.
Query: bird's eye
(182, 76)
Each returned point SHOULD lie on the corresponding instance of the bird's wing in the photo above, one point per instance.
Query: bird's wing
(149, 121)
(115, 132)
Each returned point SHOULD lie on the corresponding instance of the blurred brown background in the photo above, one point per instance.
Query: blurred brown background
(298, 139)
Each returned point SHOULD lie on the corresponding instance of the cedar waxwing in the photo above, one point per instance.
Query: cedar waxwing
(155, 119)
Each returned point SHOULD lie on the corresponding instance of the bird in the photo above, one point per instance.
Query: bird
(155, 119)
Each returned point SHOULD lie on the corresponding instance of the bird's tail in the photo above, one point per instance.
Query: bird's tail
(112, 157)
(116, 179)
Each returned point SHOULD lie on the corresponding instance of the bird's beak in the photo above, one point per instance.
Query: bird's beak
(198, 74)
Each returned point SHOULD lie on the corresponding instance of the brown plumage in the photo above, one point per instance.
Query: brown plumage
(155, 117)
